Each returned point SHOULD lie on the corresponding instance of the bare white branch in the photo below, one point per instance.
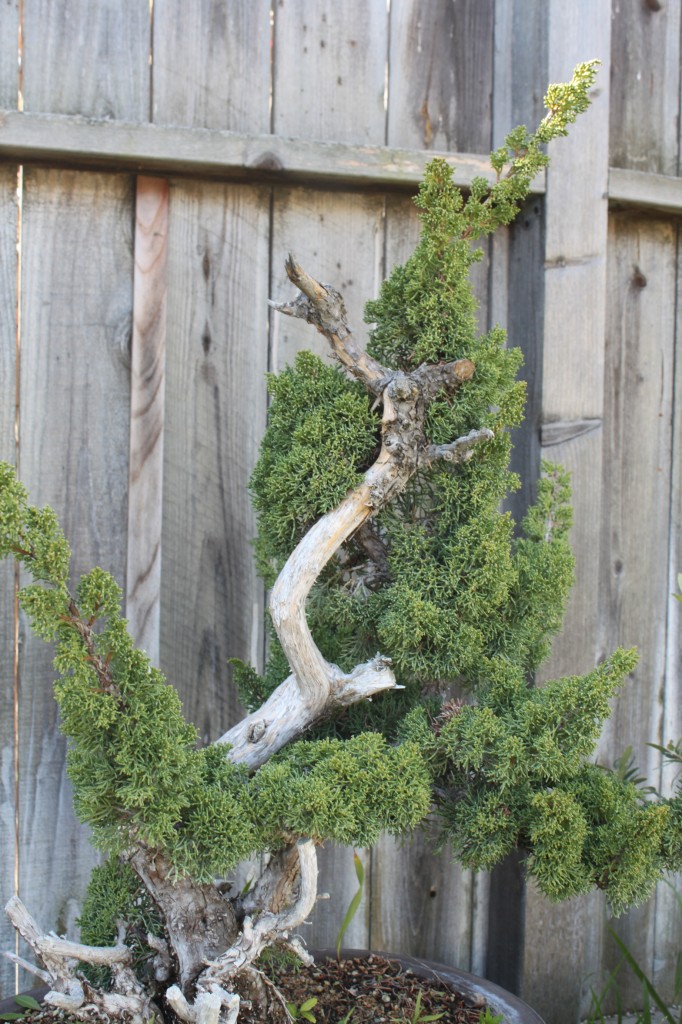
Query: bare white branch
(69, 992)
(31, 968)
(459, 450)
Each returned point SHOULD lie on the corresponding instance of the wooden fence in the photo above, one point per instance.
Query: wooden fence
(157, 160)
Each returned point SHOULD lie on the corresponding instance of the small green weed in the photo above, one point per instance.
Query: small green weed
(26, 1002)
(488, 1017)
(417, 1016)
(302, 1012)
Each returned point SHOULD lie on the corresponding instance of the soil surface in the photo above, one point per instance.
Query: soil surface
(377, 991)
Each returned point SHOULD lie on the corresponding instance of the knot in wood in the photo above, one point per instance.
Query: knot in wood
(257, 731)
(402, 388)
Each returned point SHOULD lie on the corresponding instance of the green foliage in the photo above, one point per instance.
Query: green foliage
(347, 791)
(116, 896)
(320, 436)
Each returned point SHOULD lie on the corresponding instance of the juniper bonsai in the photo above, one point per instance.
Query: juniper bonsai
(378, 493)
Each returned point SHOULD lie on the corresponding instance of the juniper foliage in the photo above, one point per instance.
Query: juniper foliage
(461, 599)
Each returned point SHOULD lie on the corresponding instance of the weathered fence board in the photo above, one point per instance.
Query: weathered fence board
(441, 74)
(73, 453)
(423, 903)
(572, 392)
(637, 432)
(644, 125)
(216, 355)
(8, 750)
(9, 51)
(211, 64)
(85, 58)
(342, 49)
(147, 408)
(339, 238)
(668, 916)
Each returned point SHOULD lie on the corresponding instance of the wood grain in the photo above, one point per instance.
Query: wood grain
(85, 58)
(8, 750)
(423, 903)
(217, 345)
(667, 917)
(441, 75)
(211, 64)
(330, 70)
(75, 398)
(634, 596)
(644, 123)
(660, 192)
(9, 47)
(196, 152)
(147, 405)
(339, 239)
(573, 332)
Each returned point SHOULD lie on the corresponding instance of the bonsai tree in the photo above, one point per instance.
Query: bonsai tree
(378, 494)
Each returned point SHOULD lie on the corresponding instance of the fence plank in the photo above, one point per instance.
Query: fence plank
(147, 404)
(217, 342)
(211, 64)
(572, 390)
(644, 126)
(441, 74)
(668, 917)
(337, 237)
(423, 904)
(76, 308)
(9, 48)
(8, 281)
(634, 565)
(342, 49)
(85, 58)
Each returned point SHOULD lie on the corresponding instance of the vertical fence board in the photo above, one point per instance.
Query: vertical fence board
(330, 70)
(147, 403)
(211, 64)
(572, 392)
(338, 238)
(74, 397)
(211, 607)
(668, 916)
(637, 435)
(440, 75)
(423, 904)
(644, 127)
(85, 58)
(8, 279)
(9, 47)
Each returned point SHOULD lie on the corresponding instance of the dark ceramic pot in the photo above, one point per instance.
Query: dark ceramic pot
(512, 1009)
